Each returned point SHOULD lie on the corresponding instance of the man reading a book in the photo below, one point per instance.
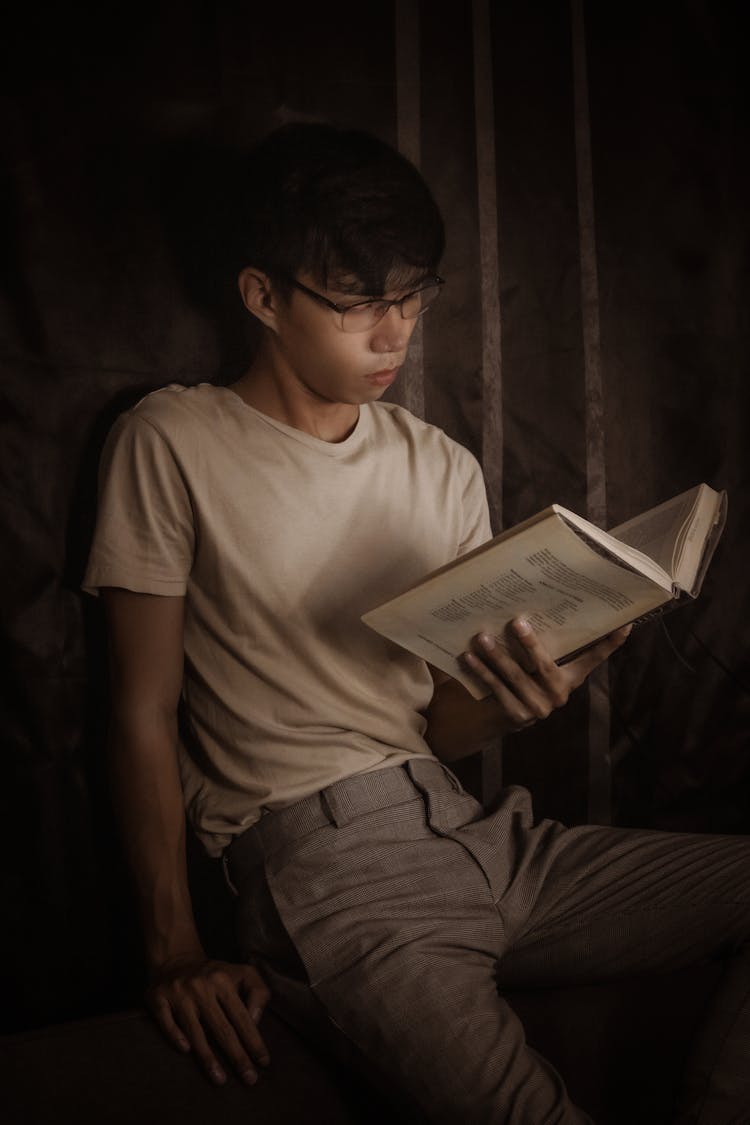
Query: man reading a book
(242, 533)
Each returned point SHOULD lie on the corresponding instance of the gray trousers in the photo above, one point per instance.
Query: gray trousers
(407, 910)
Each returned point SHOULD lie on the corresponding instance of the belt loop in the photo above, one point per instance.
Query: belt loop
(326, 807)
(431, 769)
(336, 805)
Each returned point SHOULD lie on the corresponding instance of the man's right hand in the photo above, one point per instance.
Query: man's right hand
(200, 1005)
(198, 1002)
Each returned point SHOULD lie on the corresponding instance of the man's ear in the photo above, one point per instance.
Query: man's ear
(258, 295)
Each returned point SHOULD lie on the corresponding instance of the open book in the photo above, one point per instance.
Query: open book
(572, 581)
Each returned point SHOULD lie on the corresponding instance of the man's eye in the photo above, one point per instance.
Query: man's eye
(366, 307)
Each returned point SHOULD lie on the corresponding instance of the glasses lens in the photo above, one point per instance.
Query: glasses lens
(414, 304)
(359, 318)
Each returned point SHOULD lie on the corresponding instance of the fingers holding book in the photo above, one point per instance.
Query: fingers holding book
(582, 666)
(524, 680)
(526, 683)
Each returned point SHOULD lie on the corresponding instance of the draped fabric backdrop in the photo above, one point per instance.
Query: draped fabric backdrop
(591, 347)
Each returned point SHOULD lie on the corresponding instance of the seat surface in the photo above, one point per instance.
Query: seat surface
(118, 1070)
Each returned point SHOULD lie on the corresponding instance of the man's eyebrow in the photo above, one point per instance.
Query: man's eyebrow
(347, 287)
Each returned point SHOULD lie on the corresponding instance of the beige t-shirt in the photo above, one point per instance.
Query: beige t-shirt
(280, 542)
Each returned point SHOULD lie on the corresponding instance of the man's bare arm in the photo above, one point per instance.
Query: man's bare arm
(525, 685)
(192, 998)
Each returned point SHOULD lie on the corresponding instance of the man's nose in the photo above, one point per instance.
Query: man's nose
(392, 332)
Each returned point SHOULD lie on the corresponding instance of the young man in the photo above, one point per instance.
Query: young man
(242, 532)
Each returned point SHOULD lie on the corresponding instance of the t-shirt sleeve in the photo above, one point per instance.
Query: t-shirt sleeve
(477, 528)
(144, 536)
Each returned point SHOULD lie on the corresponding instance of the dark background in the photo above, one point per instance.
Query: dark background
(118, 133)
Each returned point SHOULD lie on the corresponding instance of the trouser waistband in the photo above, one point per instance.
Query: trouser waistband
(339, 804)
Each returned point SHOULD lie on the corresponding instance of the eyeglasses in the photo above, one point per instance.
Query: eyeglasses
(366, 314)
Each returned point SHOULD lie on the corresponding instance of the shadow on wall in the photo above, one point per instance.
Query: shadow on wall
(198, 191)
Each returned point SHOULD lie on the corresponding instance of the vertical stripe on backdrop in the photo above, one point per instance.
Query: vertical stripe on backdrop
(600, 765)
(492, 408)
(484, 119)
(410, 386)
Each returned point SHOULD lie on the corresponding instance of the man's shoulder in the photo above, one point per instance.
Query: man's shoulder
(177, 413)
(174, 402)
(400, 424)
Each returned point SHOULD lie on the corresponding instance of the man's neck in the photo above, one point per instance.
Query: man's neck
(292, 403)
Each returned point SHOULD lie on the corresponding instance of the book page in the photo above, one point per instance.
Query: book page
(570, 594)
(615, 549)
(699, 538)
(657, 532)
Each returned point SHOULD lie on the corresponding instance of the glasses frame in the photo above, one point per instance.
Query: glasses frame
(430, 283)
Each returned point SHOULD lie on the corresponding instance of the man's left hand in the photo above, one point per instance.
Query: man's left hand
(523, 678)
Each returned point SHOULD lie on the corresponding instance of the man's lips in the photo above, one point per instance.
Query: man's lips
(383, 378)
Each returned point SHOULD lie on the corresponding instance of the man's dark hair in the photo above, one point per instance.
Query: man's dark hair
(340, 205)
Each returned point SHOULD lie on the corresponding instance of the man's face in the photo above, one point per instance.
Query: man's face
(334, 365)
